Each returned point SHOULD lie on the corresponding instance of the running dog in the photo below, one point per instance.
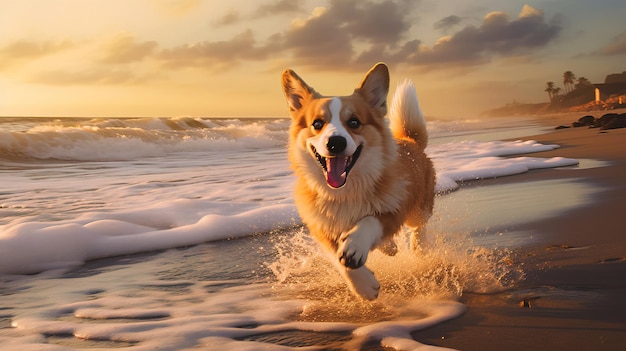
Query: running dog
(360, 175)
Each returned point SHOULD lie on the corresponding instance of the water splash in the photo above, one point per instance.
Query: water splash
(443, 268)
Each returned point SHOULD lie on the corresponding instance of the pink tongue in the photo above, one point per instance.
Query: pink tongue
(335, 169)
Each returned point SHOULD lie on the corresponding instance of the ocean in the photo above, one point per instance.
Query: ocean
(181, 233)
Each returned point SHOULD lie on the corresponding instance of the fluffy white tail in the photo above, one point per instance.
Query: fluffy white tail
(405, 115)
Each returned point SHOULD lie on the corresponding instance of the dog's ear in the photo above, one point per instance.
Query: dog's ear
(375, 86)
(296, 91)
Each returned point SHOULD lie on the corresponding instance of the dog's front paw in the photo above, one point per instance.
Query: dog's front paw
(355, 245)
(353, 253)
(363, 283)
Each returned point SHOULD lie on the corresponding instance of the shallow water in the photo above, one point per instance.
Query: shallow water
(265, 291)
(75, 191)
(492, 213)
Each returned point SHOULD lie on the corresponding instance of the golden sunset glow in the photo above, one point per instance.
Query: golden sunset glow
(216, 58)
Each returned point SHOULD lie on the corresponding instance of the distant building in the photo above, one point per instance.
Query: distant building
(606, 90)
(614, 85)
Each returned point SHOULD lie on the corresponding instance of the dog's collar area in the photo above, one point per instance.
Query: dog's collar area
(336, 169)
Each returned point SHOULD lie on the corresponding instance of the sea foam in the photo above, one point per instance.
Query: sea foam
(102, 194)
(73, 191)
(28, 247)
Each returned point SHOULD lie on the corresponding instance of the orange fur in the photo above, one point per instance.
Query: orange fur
(392, 180)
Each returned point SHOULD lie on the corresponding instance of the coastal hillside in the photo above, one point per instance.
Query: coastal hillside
(576, 95)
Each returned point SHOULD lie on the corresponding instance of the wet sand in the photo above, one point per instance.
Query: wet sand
(574, 294)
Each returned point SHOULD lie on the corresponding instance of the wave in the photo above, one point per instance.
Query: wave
(211, 205)
(61, 244)
(118, 139)
(123, 139)
(61, 216)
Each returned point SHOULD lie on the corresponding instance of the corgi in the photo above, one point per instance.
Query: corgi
(360, 175)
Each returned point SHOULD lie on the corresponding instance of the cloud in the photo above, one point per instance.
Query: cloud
(617, 46)
(278, 7)
(352, 34)
(357, 33)
(318, 40)
(109, 68)
(327, 38)
(274, 8)
(92, 76)
(345, 35)
(447, 23)
(124, 48)
(232, 17)
(23, 51)
(216, 55)
(383, 22)
(496, 36)
(331, 37)
(31, 49)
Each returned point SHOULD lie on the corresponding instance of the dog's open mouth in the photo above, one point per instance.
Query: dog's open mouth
(336, 168)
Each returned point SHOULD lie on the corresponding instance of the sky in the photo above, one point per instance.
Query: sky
(215, 58)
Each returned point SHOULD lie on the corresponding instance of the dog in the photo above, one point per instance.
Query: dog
(360, 176)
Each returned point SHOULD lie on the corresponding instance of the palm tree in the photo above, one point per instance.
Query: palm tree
(550, 90)
(582, 81)
(568, 81)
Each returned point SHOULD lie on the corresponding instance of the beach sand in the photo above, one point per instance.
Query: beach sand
(574, 294)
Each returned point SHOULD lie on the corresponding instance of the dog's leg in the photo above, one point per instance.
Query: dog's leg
(362, 282)
(355, 245)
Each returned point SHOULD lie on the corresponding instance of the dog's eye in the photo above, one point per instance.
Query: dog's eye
(318, 124)
(354, 123)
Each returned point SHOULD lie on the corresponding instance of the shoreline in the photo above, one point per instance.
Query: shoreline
(574, 293)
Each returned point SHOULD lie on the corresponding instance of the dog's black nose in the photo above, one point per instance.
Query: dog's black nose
(336, 144)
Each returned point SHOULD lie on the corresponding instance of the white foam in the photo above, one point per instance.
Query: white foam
(233, 185)
(230, 206)
(142, 307)
(34, 247)
(130, 139)
(180, 325)
(228, 180)
(471, 160)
